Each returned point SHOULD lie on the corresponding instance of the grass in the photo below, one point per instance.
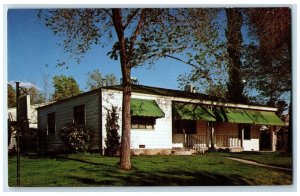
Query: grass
(94, 170)
(270, 158)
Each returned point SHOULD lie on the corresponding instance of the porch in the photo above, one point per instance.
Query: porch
(202, 142)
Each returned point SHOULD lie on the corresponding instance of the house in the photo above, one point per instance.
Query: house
(163, 120)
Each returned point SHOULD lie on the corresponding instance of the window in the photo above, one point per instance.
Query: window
(185, 127)
(138, 122)
(79, 114)
(51, 123)
(247, 130)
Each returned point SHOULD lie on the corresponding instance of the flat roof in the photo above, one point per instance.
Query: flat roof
(156, 91)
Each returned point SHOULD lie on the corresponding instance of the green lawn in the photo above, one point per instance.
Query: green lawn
(93, 170)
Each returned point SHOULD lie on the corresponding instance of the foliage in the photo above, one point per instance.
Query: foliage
(64, 87)
(268, 65)
(11, 96)
(207, 51)
(112, 140)
(96, 80)
(76, 136)
(36, 96)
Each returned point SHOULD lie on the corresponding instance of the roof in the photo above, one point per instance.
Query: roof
(153, 91)
(164, 92)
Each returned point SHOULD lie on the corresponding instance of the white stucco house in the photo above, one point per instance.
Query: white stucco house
(163, 120)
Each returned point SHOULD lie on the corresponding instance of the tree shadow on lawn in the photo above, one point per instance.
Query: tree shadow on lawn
(111, 175)
(138, 178)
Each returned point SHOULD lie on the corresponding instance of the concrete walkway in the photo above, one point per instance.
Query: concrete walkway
(258, 164)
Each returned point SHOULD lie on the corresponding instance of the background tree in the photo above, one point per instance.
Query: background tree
(36, 95)
(235, 86)
(269, 59)
(141, 36)
(112, 140)
(46, 87)
(64, 87)
(96, 80)
(11, 96)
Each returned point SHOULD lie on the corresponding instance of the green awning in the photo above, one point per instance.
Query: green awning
(264, 118)
(185, 111)
(233, 115)
(145, 108)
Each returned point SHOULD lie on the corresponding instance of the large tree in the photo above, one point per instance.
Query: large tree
(268, 60)
(141, 35)
(64, 87)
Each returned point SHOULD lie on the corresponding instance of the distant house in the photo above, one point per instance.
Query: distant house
(163, 120)
(28, 115)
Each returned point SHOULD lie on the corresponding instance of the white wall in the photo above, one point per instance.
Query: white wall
(158, 138)
(251, 145)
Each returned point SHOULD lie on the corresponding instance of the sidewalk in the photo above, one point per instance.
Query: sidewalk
(257, 164)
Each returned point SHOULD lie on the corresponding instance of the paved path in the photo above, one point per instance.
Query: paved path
(258, 164)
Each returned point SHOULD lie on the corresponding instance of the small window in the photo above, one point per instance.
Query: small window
(79, 114)
(51, 123)
(142, 146)
(142, 122)
(247, 132)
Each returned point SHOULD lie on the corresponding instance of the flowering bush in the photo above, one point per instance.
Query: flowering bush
(76, 136)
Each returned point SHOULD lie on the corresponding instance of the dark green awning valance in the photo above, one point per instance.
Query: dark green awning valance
(233, 115)
(145, 108)
(185, 111)
(264, 118)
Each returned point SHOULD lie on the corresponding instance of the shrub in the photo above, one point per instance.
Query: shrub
(112, 140)
(76, 136)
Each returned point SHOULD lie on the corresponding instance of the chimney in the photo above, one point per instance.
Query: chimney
(189, 88)
(133, 80)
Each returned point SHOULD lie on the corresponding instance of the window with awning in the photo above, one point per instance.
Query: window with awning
(186, 111)
(145, 108)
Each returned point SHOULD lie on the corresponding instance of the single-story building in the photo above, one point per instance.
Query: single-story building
(162, 120)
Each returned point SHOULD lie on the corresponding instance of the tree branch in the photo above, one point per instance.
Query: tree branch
(130, 17)
(108, 12)
(137, 31)
(178, 59)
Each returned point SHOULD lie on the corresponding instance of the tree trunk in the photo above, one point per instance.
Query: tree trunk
(125, 162)
(234, 40)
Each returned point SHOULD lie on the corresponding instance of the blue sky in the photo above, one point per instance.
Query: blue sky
(32, 46)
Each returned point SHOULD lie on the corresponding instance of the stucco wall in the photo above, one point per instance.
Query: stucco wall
(158, 138)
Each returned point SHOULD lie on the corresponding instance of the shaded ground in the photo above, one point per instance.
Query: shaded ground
(91, 170)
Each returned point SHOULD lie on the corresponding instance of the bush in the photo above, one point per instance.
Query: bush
(112, 140)
(76, 136)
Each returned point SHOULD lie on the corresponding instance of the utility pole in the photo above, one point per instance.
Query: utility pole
(18, 131)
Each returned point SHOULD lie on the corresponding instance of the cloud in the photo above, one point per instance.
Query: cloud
(24, 84)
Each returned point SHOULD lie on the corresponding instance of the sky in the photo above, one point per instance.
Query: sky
(33, 52)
